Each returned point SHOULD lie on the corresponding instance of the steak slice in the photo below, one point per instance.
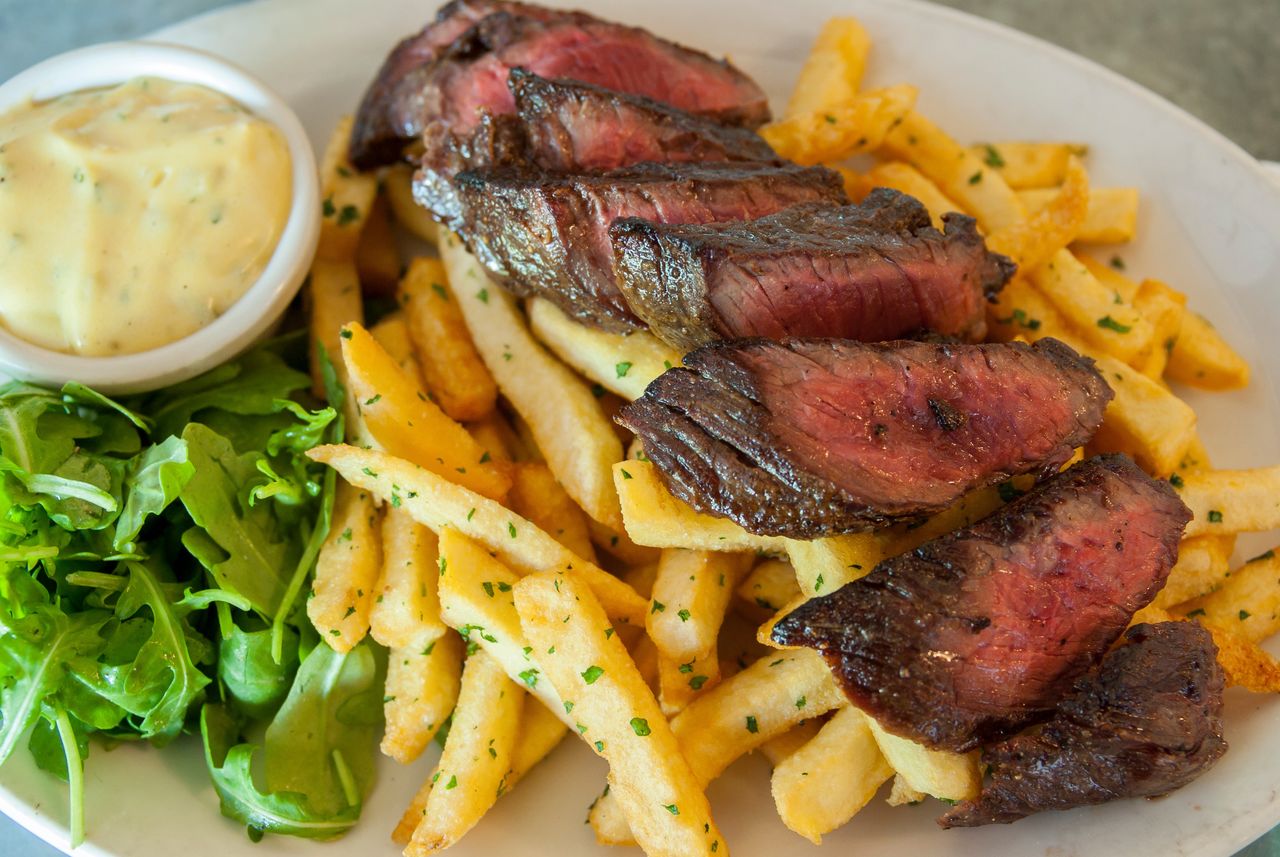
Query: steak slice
(573, 127)
(977, 634)
(456, 69)
(871, 272)
(808, 438)
(548, 234)
(1149, 722)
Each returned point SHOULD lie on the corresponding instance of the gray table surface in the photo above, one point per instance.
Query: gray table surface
(1218, 59)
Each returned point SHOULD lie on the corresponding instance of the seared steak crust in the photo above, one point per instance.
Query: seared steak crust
(808, 438)
(1149, 722)
(975, 635)
(871, 272)
(548, 234)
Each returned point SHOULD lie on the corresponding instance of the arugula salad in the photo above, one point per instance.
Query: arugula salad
(155, 555)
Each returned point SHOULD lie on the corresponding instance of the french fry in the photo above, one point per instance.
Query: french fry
(679, 683)
(902, 794)
(823, 784)
(958, 172)
(348, 196)
(1232, 501)
(567, 422)
(618, 544)
(648, 775)
(1165, 309)
(1108, 274)
(477, 755)
(421, 692)
(766, 699)
(392, 333)
(346, 570)
(1248, 602)
(409, 425)
(841, 131)
(824, 565)
(907, 179)
(452, 369)
(406, 608)
(833, 69)
(769, 587)
(1203, 564)
(537, 495)
(656, 518)
(1029, 165)
(782, 746)
(948, 776)
(1021, 312)
(641, 577)
(540, 732)
(1052, 227)
(333, 292)
(1202, 358)
(436, 503)
(1111, 218)
(690, 595)
(621, 364)
(377, 254)
(476, 599)
(646, 656)
(1115, 328)
(398, 186)
(1144, 420)
(496, 435)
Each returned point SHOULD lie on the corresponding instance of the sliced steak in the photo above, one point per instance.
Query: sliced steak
(456, 81)
(975, 635)
(808, 438)
(573, 127)
(548, 234)
(871, 272)
(1149, 722)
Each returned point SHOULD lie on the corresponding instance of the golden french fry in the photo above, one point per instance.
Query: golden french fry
(378, 254)
(570, 427)
(690, 595)
(436, 503)
(333, 292)
(346, 570)
(841, 131)
(407, 424)
(782, 746)
(540, 732)
(902, 794)
(537, 495)
(1232, 501)
(348, 196)
(1202, 358)
(1021, 312)
(421, 692)
(738, 715)
(398, 186)
(1049, 229)
(1112, 216)
(907, 179)
(1112, 326)
(452, 369)
(476, 599)
(641, 577)
(621, 364)
(406, 608)
(769, 587)
(477, 755)
(961, 175)
(1108, 274)
(824, 565)
(824, 783)
(1144, 420)
(1204, 563)
(655, 518)
(618, 544)
(392, 333)
(949, 776)
(1248, 602)
(833, 69)
(1028, 165)
(617, 715)
(681, 682)
(1165, 309)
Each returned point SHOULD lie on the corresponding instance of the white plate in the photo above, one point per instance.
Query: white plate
(1210, 225)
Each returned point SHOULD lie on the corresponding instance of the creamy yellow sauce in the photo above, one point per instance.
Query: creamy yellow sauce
(133, 216)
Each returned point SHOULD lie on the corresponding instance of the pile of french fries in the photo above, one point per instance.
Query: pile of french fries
(532, 577)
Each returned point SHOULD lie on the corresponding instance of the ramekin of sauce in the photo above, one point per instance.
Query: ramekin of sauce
(159, 208)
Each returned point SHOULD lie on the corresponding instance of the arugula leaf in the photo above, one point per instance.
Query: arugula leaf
(253, 679)
(231, 768)
(156, 477)
(73, 391)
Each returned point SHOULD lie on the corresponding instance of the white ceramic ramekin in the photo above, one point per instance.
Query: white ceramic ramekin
(258, 310)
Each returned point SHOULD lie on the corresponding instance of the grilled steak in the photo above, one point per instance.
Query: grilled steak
(1147, 723)
(975, 635)
(573, 127)
(873, 271)
(549, 234)
(807, 438)
(456, 70)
